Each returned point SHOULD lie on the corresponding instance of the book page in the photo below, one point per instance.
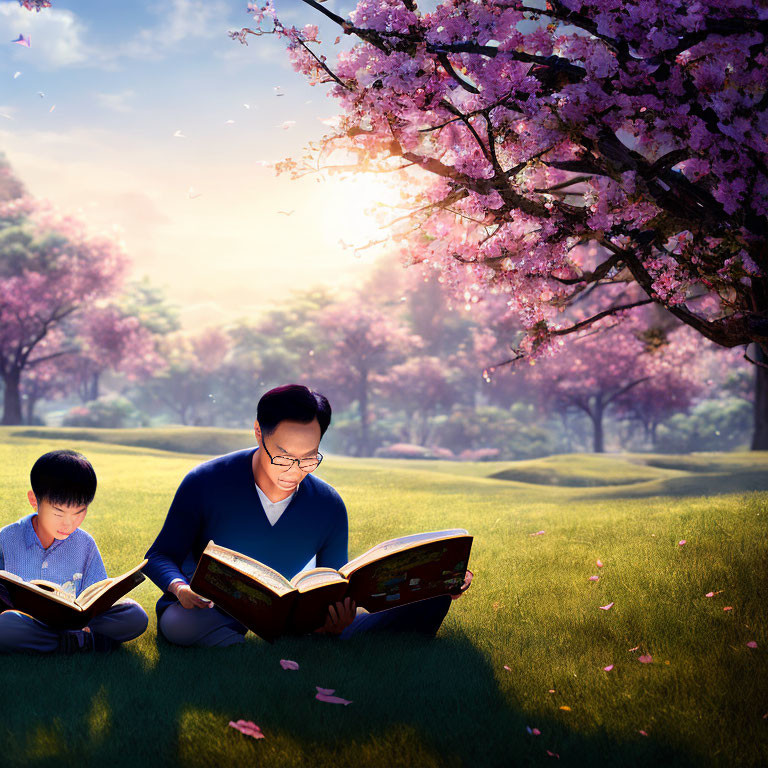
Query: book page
(251, 568)
(317, 577)
(397, 545)
(107, 591)
(93, 590)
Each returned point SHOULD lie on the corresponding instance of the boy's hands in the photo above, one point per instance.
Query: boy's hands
(188, 598)
(339, 618)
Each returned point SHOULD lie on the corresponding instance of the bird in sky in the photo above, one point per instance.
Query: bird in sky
(21, 40)
(179, 135)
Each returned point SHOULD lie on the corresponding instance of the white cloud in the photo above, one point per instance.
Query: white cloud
(58, 38)
(179, 20)
(117, 102)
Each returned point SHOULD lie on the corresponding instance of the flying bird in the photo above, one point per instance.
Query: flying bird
(229, 122)
(16, 74)
(179, 135)
(278, 90)
(41, 94)
(287, 213)
(21, 40)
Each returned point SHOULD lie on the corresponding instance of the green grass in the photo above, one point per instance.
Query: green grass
(446, 702)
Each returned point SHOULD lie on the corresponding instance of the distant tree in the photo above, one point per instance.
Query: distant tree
(50, 269)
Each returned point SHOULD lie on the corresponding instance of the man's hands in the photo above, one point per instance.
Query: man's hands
(465, 586)
(187, 597)
(339, 618)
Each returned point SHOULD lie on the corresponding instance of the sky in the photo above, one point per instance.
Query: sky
(91, 123)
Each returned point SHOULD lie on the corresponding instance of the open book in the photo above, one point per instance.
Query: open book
(60, 609)
(396, 572)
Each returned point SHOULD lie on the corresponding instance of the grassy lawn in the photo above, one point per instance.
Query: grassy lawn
(450, 701)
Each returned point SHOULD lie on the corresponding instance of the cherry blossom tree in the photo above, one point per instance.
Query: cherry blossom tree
(360, 342)
(548, 152)
(50, 269)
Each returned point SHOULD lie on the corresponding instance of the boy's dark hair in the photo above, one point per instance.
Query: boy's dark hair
(292, 402)
(63, 477)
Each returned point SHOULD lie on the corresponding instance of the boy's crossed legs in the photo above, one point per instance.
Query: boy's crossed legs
(124, 621)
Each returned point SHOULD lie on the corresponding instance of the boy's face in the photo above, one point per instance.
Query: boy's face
(293, 439)
(57, 520)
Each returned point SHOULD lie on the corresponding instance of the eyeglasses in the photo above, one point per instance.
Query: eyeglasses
(305, 465)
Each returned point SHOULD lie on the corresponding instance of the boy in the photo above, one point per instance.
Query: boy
(49, 544)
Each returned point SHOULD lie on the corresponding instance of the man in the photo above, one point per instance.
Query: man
(266, 503)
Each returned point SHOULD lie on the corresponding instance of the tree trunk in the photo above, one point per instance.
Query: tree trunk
(12, 398)
(363, 403)
(760, 435)
(30, 409)
(596, 415)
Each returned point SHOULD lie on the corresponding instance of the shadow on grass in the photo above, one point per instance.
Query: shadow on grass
(416, 702)
(708, 484)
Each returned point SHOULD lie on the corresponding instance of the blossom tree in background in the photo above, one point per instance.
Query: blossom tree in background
(520, 134)
(50, 270)
(356, 344)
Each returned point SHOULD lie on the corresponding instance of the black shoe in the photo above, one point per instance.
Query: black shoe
(75, 641)
(103, 643)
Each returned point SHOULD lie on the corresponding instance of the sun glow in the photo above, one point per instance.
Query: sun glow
(354, 211)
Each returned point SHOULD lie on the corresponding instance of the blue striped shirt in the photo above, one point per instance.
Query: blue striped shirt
(74, 563)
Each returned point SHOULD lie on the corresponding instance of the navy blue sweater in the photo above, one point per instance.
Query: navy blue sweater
(218, 500)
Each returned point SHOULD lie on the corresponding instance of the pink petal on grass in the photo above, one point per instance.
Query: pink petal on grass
(710, 594)
(608, 668)
(248, 728)
(681, 542)
(509, 669)
(642, 733)
(637, 647)
(553, 754)
(728, 608)
(325, 694)
(538, 533)
(533, 731)
(751, 644)
(594, 578)
(606, 607)
(288, 664)
(599, 563)
(646, 658)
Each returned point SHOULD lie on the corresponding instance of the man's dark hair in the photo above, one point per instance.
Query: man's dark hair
(292, 402)
(63, 477)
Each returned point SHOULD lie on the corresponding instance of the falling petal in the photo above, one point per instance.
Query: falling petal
(551, 690)
(751, 644)
(553, 754)
(179, 135)
(681, 542)
(637, 647)
(229, 122)
(538, 533)
(288, 664)
(565, 708)
(21, 40)
(728, 608)
(248, 728)
(599, 563)
(646, 658)
(594, 578)
(642, 733)
(533, 731)
(606, 607)
(325, 694)
(710, 594)
(16, 74)
(287, 124)
(509, 669)
(608, 668)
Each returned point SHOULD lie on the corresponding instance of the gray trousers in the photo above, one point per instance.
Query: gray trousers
(206, 627)
(125, 620)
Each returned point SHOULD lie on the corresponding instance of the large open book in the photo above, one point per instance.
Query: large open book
(393, 573)
(59, 609)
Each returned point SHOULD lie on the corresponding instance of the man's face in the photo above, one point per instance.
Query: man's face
(292, 439)
(58, 520)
